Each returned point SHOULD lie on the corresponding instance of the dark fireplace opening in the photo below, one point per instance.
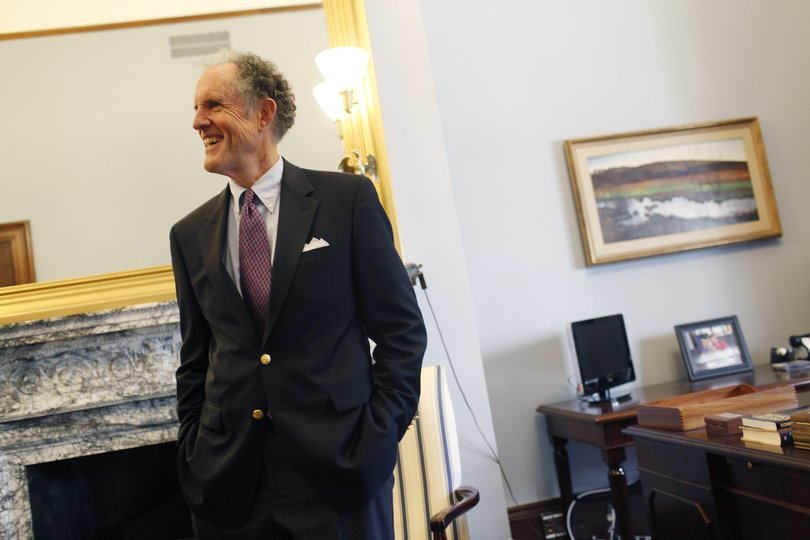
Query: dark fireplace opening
(124, 495)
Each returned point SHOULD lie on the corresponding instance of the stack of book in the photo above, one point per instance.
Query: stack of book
(768, 428)
(801, 428)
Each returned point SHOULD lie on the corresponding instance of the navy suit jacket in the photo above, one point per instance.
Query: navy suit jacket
(338, 414)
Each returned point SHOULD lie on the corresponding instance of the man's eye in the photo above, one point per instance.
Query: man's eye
(208, 105)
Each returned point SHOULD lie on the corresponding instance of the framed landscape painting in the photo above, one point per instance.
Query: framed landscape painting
(669, 190)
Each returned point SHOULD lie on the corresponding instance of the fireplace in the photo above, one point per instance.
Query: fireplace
(98, 385)
(122, 495)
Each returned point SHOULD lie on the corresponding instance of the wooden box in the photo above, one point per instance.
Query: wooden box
(685, 412)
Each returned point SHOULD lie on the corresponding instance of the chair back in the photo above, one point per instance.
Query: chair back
(428, 467)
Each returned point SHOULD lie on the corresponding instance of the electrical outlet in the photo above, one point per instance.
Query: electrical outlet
(554, 526)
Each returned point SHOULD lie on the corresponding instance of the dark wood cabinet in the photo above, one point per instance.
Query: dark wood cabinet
(698, 486)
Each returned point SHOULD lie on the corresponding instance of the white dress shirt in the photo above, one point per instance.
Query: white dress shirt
(268, 191)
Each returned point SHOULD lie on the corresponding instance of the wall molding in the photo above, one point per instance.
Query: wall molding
(86, 294)
(151, 22)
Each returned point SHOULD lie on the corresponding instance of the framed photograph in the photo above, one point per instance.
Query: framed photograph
(670, 190)
(713, 348)
(16, 255)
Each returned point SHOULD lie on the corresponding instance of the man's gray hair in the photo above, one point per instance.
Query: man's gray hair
(258, 79)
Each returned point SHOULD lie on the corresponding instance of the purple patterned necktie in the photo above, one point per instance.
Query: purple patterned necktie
(254, 260)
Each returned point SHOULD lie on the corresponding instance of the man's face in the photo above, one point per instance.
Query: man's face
(232, 135)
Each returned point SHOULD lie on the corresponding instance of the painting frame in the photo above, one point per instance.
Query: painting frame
(702, 210)
(713, 348)
(16, 254)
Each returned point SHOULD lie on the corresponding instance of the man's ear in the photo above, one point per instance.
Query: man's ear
(267, 112)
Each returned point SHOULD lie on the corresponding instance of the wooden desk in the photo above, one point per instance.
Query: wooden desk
(603, 425)
(698, 486)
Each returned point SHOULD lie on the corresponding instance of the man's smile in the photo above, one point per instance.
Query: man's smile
(211, 141)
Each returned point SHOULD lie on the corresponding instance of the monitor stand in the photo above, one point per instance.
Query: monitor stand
(605, 396)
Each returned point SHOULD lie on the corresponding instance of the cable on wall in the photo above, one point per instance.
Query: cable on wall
(415, 274)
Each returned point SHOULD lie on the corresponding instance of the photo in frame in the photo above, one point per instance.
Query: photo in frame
(670, 190)
(713, 348)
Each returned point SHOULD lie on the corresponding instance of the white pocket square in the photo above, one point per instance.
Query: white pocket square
(315, 243)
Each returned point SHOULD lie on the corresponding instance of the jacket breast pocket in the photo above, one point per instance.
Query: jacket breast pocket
(351, 395)
(211, 416)
(318, 254)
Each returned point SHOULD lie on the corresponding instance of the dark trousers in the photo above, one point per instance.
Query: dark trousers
(287, 508)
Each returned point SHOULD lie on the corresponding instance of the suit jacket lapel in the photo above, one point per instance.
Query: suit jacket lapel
(212, 239)
(297, 211)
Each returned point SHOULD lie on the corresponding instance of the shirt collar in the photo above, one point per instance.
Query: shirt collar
(267, 188)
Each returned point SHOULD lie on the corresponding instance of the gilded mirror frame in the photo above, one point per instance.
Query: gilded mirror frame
(346, 25)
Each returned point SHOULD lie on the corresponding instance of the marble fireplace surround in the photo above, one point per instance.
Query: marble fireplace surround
(81, 385)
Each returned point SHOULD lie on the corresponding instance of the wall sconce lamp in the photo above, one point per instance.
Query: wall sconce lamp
(343, 68)
(328, 98)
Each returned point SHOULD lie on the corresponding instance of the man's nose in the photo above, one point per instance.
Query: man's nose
(200, 120)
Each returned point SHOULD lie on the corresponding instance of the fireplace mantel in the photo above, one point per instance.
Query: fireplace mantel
(82, 385)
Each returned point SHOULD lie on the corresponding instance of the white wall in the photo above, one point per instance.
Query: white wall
(430, 235)
(507, 82)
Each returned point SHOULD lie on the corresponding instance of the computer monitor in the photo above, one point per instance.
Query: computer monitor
(603, 356)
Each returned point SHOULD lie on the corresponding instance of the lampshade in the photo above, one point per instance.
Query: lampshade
(343, 67)
(329, 99)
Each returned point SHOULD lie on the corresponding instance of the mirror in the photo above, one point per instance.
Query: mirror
(99, 154)
(346, 25)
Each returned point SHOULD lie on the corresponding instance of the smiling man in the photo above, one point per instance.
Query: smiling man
(288, 425)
